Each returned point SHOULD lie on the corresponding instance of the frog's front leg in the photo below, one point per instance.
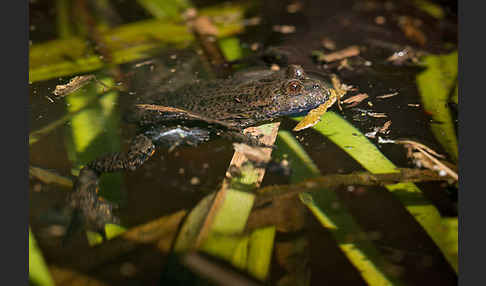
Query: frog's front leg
(140, 150)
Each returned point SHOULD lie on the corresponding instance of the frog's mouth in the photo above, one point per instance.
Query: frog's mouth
(297, 111)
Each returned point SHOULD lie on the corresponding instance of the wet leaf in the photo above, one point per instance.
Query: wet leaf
(260, 251)
(436, 84)
(251, 252)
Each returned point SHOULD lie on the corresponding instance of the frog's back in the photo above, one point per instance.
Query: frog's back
(241, 101)
(231, 100)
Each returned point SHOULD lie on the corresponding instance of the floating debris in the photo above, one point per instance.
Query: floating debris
(404, 55)
(275, 67)
(74, 84)
(348, 52)
(388, 95)
(195, 181)
(386, 127)
(411, 28)
(344, 64)
(355, 100)
(372, 134)
(328, 44)
(284, 29)
(144, 63)
(380, 20)
(372, 113)
(424, 157)
(294, 7)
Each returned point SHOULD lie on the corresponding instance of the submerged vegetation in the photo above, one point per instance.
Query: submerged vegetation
(246, 229)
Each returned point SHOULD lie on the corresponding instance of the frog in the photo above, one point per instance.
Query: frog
(192, 115)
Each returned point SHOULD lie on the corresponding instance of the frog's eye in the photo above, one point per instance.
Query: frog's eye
(295, 71)
(294, 87)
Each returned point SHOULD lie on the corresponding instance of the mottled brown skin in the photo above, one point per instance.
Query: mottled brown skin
(246, 100)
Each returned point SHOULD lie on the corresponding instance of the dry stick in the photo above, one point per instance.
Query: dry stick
(95, 36)
(440, 164)
(419, 145)
(327, 182)
(427, 151)
(205, 32)
(350, 51)
(49, 177)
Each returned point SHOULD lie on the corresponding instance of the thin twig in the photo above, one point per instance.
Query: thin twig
(324, 183)
(48, 177)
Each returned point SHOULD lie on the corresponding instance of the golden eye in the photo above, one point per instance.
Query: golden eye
(294, 87)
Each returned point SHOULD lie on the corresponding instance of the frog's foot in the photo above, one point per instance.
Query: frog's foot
(88, 209)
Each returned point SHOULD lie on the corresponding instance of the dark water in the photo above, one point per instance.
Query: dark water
(165, 183)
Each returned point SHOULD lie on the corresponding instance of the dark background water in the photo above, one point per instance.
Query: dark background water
(163, 185)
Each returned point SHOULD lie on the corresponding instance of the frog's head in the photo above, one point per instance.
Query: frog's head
(298, 93)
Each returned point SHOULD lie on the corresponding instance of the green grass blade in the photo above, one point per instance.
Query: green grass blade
(361, 253)
(64, 27)
(233, 214)
(165, 9)
(38, 272)
(260, 251)
(186, 238)
(430, 8)
(356, 145)
(252, 252)
(436, 84)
